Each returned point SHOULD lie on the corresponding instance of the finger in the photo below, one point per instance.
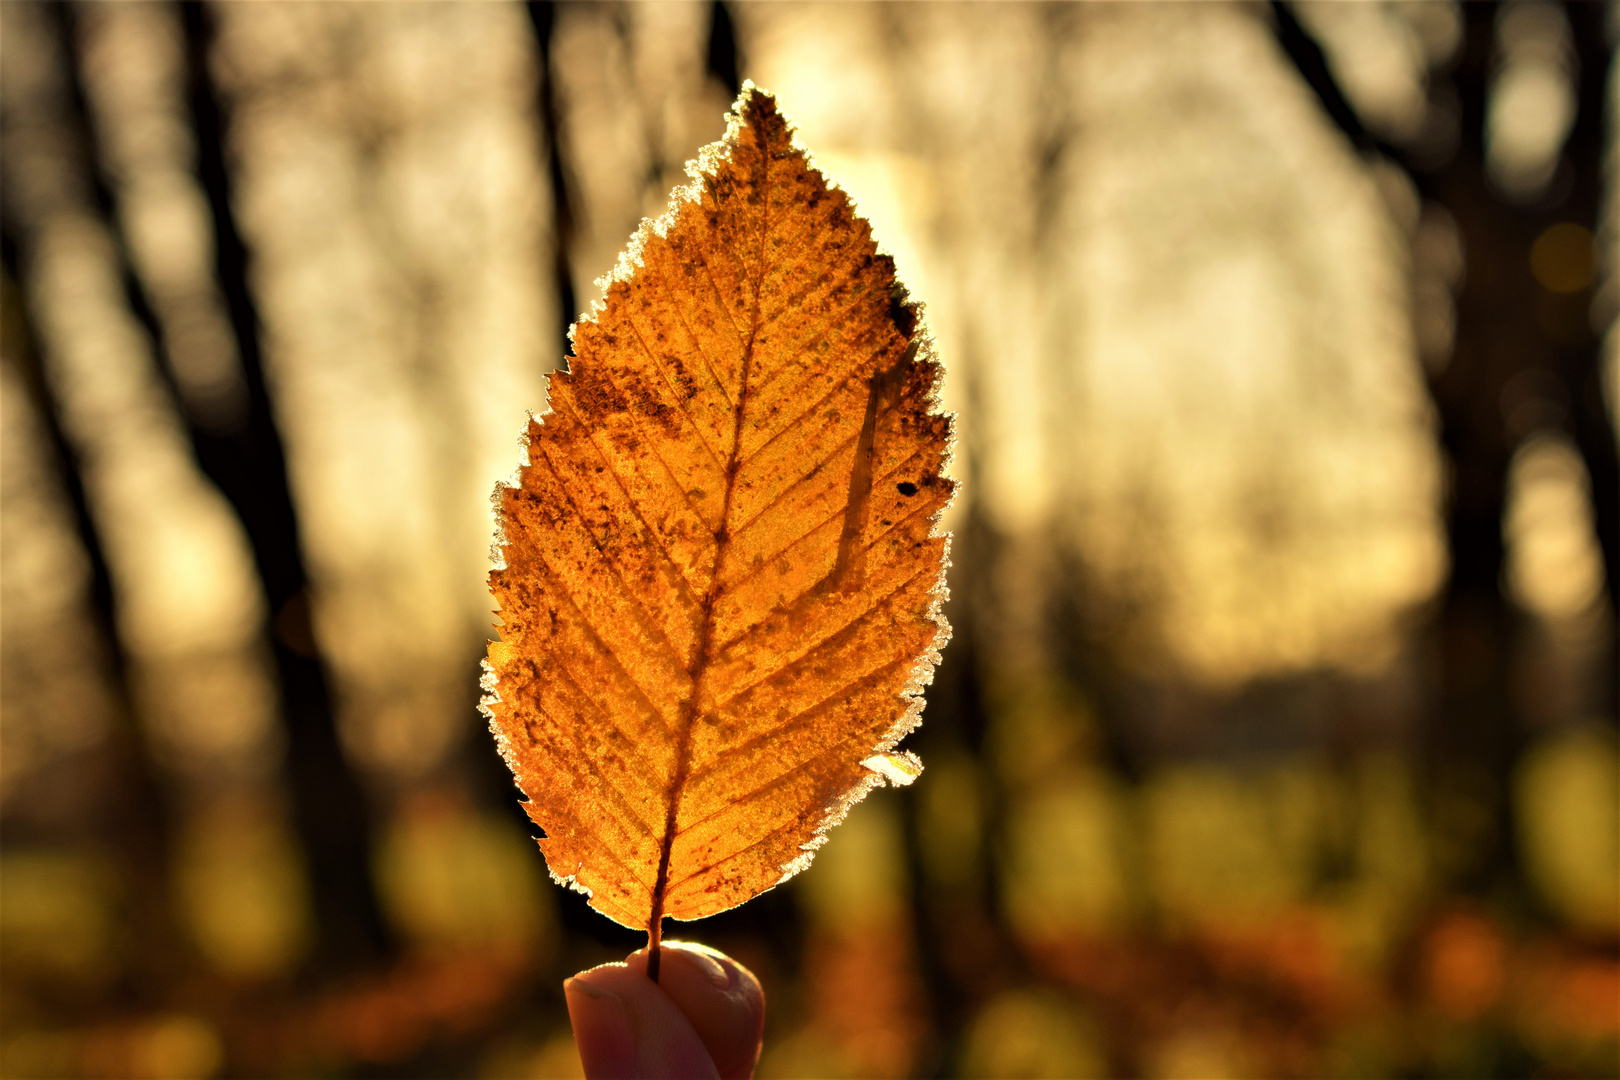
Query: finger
(627, 1028)
(721, 998)
(602, 1032)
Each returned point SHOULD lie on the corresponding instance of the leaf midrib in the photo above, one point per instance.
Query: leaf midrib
(702, 660)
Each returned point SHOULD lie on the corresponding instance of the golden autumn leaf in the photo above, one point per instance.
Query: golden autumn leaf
(720, 572)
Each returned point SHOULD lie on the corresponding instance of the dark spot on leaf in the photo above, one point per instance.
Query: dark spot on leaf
(907, 488)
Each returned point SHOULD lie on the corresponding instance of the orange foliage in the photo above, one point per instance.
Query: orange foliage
(1464, 962)
(721, 569)
(866, 995)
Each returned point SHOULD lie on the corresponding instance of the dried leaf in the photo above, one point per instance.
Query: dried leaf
(720, 572)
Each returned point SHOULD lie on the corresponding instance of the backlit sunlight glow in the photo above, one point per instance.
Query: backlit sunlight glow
(393, 195)
(136, 87)
(211, 704)
(1532, 101)
(180, 559)
(55, 704)
(191, 610)
(1554, 566)
(1128, 383)
(624, 161)
(1380, 53)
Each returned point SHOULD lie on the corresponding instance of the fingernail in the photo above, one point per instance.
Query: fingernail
(717, 974)
(708, 961)
(601, 1029)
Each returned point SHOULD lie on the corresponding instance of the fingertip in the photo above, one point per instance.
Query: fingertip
(602, 1031)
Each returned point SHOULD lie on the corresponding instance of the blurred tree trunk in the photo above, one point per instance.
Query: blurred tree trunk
(543, 19)
(244, 460)
(1506, 325)
(138, 836)
(248, 464)
(724, 59)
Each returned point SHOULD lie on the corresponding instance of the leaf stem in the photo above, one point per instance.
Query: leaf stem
(655, 930)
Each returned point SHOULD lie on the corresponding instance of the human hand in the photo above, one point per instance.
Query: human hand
(703, 1017)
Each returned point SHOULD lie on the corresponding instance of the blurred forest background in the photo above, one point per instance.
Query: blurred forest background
(1277, 736)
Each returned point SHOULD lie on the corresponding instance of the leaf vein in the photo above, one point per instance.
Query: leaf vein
(602, 647)
(631, 597)
(659, 543)
(676, 393)
(766, 563)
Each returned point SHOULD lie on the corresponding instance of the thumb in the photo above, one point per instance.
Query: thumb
(719, 997)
